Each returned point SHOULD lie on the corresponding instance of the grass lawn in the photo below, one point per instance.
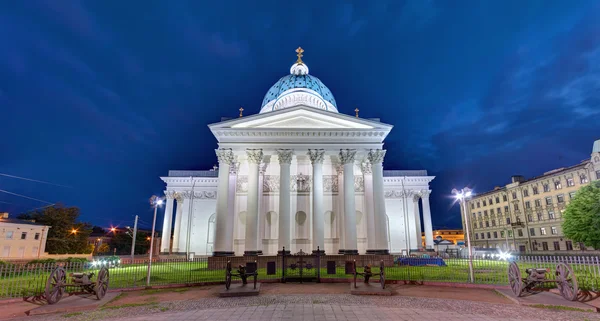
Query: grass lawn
(491, 272)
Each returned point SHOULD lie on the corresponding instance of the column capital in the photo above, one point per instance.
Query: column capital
(347, 155)
(376, 155)
(178, 196)
(170, 194)
(225, 155)
(425, 193)
(285, 155)
(366, 168)
(316, 155)
(255, 156)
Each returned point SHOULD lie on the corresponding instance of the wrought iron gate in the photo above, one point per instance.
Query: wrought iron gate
(301, 267)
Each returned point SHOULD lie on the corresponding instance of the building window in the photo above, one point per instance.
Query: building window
(546, 188)
(489, 236)
(549, 200)
(560, 198)
(516, 206)
(598, 174)
(487, 223)
(545, 246)
(482, 236)
(485, 213)
(476, 236)
(498, 210)
(583, 179)
(491, 201)
(493, 222)
(495, 235)
(538, 203)
(556, 246)
(510, 233)
(525, 192)
(9, 235)
(492, 211)
(581, 246)
(527, 204)
(484, 203)
(497, 199)
(37, 236)
(501, 233)
(529, 218)
(520, 232)
(508, 221)
(23, 235)
(553, 230)
(569, 245)
(571, 195)
(504, 198)
(506, 208)
(535, 190)
(557, 185)
(550, 215)
(478, 205)
(480, 224)
(514, 195)
(472, 206)
(518, 219)
(474, 216)
(570, 182)
(540, 216)
(542, 231)
(532, 231)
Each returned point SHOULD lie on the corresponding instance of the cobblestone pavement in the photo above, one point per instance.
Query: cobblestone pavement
(321, 307)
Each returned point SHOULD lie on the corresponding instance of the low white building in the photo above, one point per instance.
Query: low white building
(300, 175)
(21, 239)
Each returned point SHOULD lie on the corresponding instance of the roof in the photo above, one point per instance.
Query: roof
(18, 221)
(212, 173)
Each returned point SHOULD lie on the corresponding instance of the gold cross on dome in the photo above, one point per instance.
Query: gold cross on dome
(356, 111)
(299, 52)
(241, 110)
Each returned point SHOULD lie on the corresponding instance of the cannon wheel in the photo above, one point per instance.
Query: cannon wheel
(102, 283)
(514, 279)
(228, 275)
(566, 281)
(354, 272)
(55, 286)
(382, 275)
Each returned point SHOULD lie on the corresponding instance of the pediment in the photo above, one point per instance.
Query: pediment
(299, 118)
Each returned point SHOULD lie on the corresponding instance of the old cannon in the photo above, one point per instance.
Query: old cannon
(57, 283)
(367, 273)
(242, 273)
(536, 277)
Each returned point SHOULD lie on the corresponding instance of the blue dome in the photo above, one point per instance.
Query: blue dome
(298, 81)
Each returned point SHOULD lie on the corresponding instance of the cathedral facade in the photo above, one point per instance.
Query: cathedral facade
(298, 175)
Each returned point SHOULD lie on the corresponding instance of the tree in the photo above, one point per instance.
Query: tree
(122, 242)
(66, 235)
(582, 216)
(103, 248)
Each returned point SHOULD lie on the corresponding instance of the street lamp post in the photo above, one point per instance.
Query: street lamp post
(155, 201)
(461, 197)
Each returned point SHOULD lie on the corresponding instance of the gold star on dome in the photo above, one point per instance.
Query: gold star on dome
(299, 52)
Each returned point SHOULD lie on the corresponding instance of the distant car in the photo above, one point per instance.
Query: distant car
(110, 262)
(486, 253)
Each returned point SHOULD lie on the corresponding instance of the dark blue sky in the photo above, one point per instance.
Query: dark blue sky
(106, 96)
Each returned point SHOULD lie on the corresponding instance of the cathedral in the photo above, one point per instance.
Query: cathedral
(298, 175)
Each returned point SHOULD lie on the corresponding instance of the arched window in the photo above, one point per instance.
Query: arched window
(271, 225)
(301, 225)
(210, 235)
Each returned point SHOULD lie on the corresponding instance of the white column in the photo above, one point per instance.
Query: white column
(369, 207)
(223, 231)
(251, 243)
(351, 244)
(318, 220)
(231, 207)
(285, 159)
(376, 159)
(340, 214)
(427, 219)
(185, 215)
(177, 227)
(165, 240)
(261, 212)
(413, 243)
(418, 221)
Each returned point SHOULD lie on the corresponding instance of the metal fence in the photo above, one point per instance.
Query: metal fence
(26, 280)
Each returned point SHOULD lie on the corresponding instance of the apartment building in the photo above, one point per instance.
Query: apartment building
(527, 214)
(21, 239)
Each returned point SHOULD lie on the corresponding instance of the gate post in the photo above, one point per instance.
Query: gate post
(318, 265)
